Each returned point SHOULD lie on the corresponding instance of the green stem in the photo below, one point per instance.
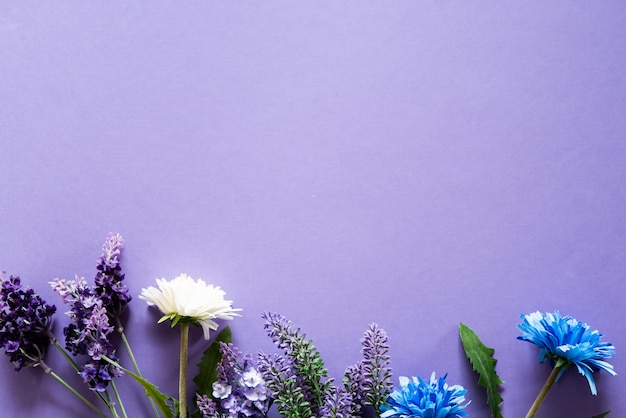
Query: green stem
(112, 406)
(75, 366)
(66, 355)
(182, 379)
(78, 395)
(119, 399)
(120, 329)
(544, 391)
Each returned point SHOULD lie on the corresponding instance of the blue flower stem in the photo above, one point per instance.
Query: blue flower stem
(544, 390)
(71, 389)
(182, 379)
(120, 329)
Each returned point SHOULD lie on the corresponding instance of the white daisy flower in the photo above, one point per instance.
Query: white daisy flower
(188, 300)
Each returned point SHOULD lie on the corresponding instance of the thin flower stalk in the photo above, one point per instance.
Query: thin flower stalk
(76, 393)
(182, 379)
(544, 392)
(133, 360)
(119, 399)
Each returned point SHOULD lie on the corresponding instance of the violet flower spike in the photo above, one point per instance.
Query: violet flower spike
(375, 366)
(89, 334)
(109, 286)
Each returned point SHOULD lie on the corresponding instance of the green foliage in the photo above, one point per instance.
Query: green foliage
(602, 415)
(290, 401)
(483, 362)
(207, 368)
(305, 360)
(161, 400)
(308, 364)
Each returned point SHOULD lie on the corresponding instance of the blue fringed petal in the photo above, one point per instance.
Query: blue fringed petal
(564, 338)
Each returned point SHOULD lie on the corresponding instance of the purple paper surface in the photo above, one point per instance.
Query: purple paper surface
(413, 164)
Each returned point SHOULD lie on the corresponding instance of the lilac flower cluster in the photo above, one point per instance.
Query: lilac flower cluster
(240, 388)
(25, 320)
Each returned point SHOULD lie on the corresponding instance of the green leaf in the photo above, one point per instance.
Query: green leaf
(153, 392)
(602, 415)
(161, 400)
(483, 362)
(207, 368)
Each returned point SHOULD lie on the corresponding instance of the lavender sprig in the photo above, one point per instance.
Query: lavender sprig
(377, 382)
(338, 404)
(306, 361)
(353, 383)
(25, 320)
(89, 333)
(281, 381)
(109, 287)
(207, 407)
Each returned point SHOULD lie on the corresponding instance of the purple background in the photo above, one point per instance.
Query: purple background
(416, 164)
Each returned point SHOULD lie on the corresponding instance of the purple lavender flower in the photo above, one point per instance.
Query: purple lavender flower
(89, 334)
(98, 374)
(240, 389)
(93, 309)
(208, 408)
(304, 358)
(25, 320)
(338, 404)
(375, 366)
(281, 381)
(109, 287)
(354, 384)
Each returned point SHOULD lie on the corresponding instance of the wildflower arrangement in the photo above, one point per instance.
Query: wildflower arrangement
(292, 382)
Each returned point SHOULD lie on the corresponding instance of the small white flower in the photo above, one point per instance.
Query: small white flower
(221, 390)
(251, 378)
(187, 299)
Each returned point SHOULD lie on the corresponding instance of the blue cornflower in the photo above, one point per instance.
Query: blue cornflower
(425, 399)
(568, 341)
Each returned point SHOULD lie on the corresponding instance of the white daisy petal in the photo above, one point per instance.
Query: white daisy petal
(186, 297)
